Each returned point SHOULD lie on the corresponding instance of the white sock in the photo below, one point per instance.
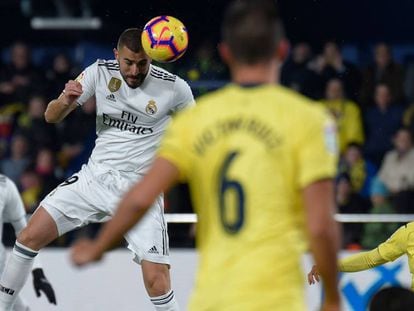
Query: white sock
(15, 274)
(165, 302)
(20, 305)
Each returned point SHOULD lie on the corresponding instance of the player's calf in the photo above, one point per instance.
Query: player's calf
(158, 285)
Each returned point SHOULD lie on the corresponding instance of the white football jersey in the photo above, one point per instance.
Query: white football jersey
(130, 122)
(11, 206)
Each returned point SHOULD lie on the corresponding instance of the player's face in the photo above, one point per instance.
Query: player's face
(133, 66)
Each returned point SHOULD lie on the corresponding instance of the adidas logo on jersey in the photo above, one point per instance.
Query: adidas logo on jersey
(153, 250)
(111, 97)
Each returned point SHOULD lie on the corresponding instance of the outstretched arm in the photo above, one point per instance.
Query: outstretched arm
(132, 208)
(394, 247)
(357, 262)
(361, 261)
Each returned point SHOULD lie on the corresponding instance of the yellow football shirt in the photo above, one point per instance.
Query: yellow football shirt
(401, 242)
(398, 244)
(246, 153)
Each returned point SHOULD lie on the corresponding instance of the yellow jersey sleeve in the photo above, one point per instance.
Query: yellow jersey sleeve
(318, 150)
(395, 246)
(175, 145)
(361, 261)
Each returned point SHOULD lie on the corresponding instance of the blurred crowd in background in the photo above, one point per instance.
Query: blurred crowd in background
(372, 103)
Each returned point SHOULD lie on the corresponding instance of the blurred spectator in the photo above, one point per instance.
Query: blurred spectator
(40, 133)
(207, 66)
(296, 74)
(346, 113)
(408, 118)
(31, 188)
(8, 114)
(377, 232)
(409, 82)
(384, 70)
(45, 168)
(204, 66)
(353, 190)
(331, 65)
(382, 121)
(360, 171)
(20, 78)
(397, 172)
(61, 72)
(18, 160)
(349, 202)
(77, 136)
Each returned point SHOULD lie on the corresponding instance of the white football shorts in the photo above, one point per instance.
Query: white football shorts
(92, 195)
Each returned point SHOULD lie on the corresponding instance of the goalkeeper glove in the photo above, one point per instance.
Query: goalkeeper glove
(41, 283)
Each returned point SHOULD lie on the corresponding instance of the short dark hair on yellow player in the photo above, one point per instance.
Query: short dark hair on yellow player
(252, 29)
(392, 299)
(131, 38)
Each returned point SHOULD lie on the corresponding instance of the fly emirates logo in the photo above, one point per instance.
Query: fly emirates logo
(126, 123)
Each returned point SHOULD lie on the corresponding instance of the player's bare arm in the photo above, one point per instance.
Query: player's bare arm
(354, 263)
(324, 236)
(59, 108)
(131, 209)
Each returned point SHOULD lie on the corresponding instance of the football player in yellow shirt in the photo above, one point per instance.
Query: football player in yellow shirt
(400, 243)
(259, 160)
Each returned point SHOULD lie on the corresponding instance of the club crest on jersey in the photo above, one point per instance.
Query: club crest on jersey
(151, 107)
(114, 84)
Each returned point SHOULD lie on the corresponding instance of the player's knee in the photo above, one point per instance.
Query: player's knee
(157, 284)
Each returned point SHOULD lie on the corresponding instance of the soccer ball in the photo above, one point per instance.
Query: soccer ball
(164, 39)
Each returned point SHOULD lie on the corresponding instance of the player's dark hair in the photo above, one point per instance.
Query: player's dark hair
(392, 299)
(252, 29)
(131, 38)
